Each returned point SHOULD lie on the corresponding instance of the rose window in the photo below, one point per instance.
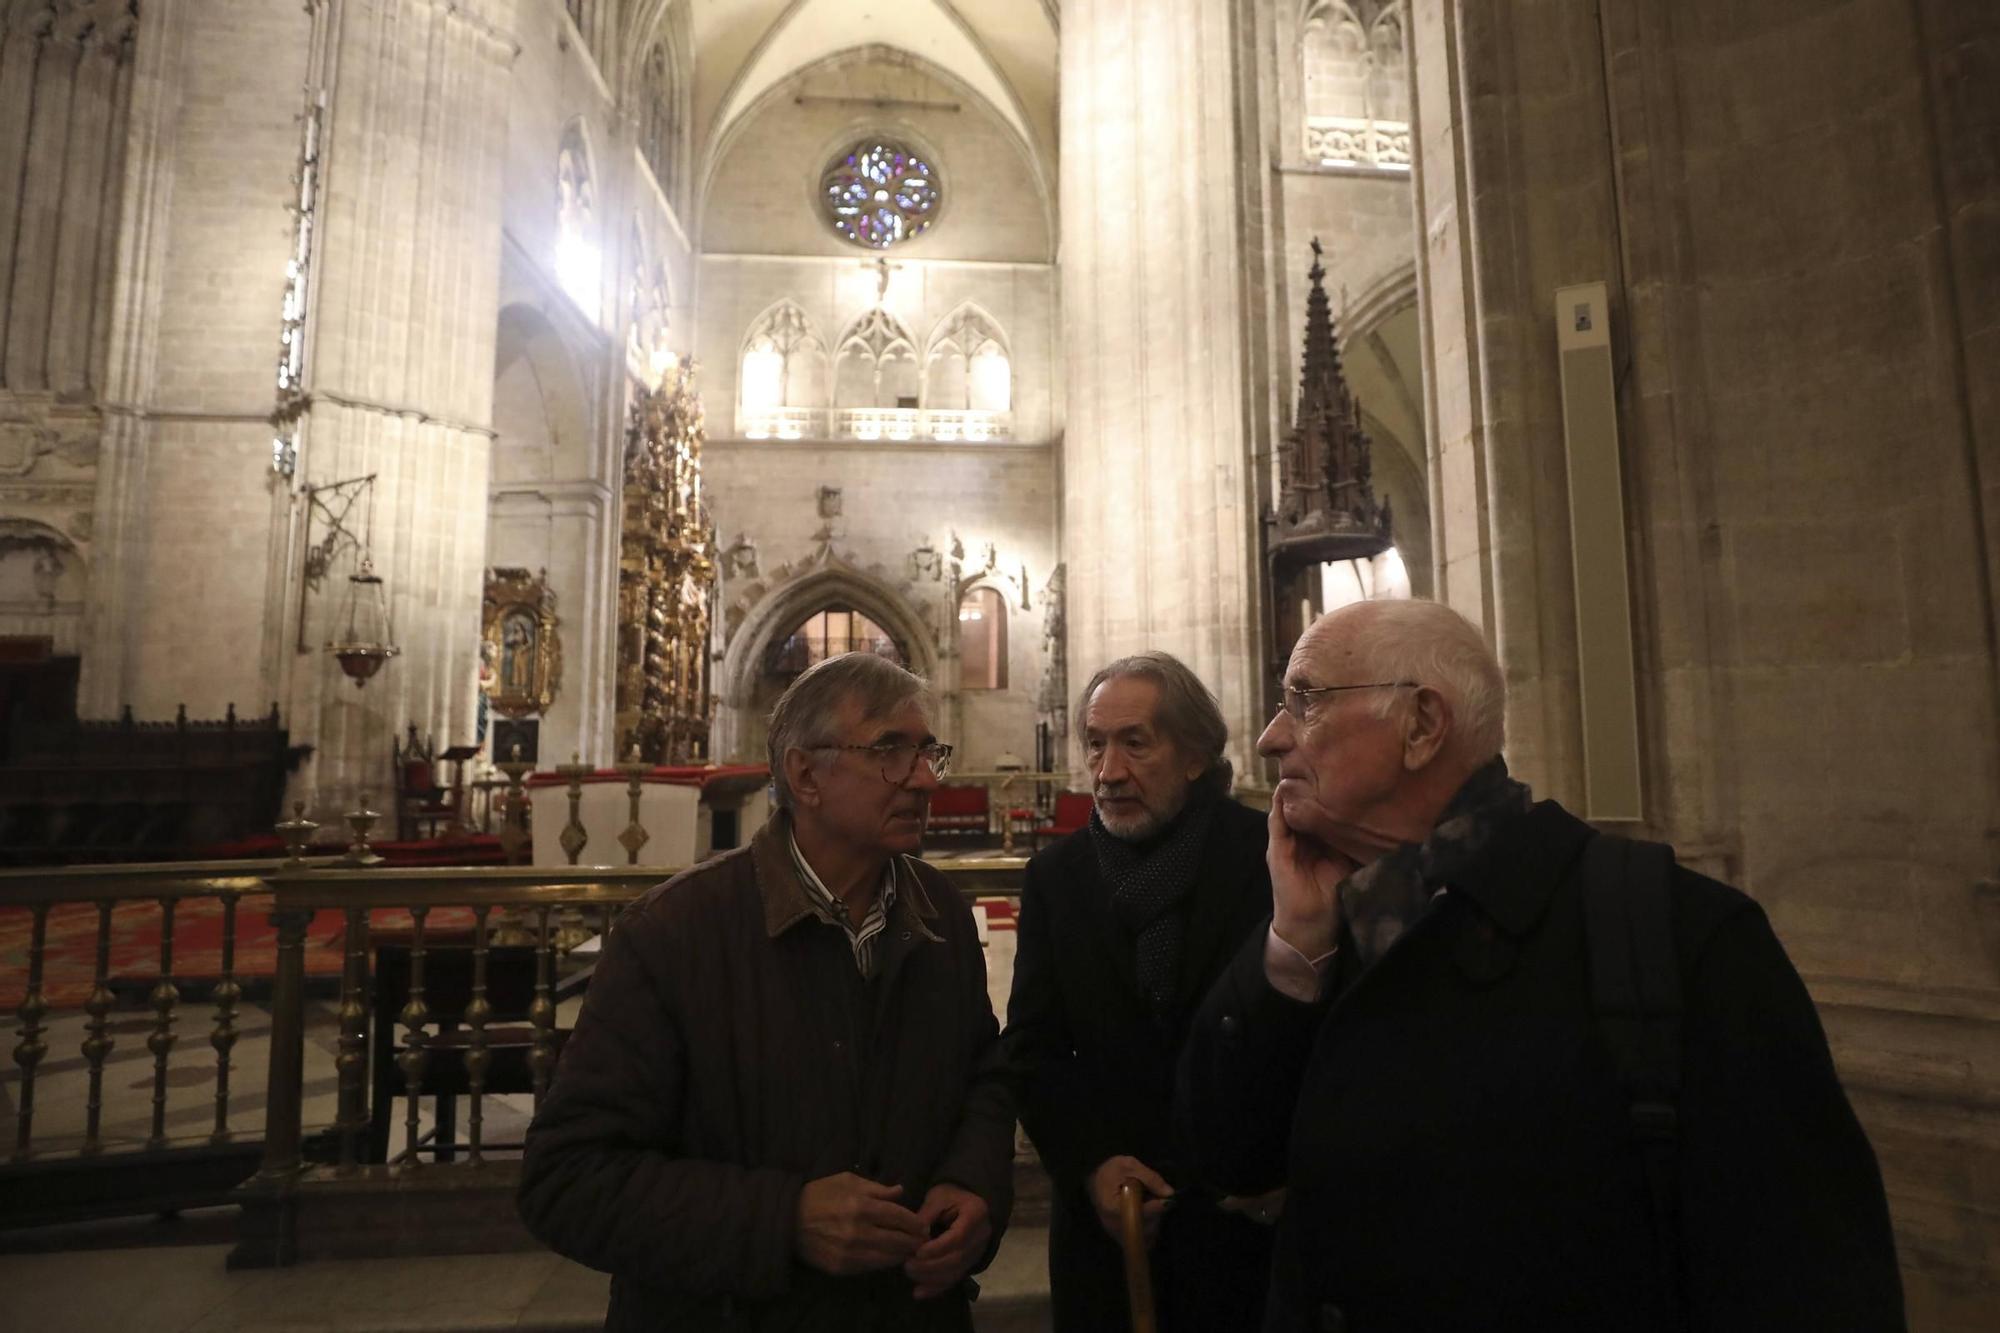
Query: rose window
(879, 193)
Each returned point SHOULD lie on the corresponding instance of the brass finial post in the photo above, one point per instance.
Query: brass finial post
(297, 832)
(574, 835)
(570, 930)
(514, 829)
(635, 836)
(359, 822)
(33, 1047)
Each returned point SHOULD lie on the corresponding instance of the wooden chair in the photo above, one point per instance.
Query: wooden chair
(422, 801)
(510, 990)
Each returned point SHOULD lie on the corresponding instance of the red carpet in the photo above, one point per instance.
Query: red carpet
(71, 959)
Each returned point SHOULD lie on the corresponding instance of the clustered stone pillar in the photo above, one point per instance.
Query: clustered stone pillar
(1160, 509)
(65, 78)
(401, 377)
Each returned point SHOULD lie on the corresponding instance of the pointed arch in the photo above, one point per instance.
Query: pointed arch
(648, 333)
(782, 379)
(579, 247)
(660, 100)
(1356, 82)
(742, 708)
(875, 367)
(968, 366)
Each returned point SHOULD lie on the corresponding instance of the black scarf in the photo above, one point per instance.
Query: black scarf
(1148, 880)
(1385, 897)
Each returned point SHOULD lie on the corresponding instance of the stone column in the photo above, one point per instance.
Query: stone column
(1160, 509)
(401, 373)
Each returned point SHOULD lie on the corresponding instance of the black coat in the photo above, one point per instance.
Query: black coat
(1097, 1073)
(1456, 1141)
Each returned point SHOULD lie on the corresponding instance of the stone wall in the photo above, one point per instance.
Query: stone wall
(763, 188)
(1797, 220)
(895, 500)
(765, 241)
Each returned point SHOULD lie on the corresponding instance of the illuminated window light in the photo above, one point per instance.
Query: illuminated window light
(577, 271)
(763, 380)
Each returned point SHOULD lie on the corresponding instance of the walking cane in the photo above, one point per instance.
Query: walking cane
(1138, 1275)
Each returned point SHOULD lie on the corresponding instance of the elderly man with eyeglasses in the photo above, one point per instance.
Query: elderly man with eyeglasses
(784, 1105)
(1516, 1074)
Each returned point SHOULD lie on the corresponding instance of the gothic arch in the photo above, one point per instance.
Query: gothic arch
(576, 174)
(740, 721)
(875, 361)
(800, 378)
(1379, 345)
(44, 582)
(1353, 74)
(539, 400)
(648, 328)
(959, 344)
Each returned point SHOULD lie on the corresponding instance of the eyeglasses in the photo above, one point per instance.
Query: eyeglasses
(899, 758)
(1296, 700)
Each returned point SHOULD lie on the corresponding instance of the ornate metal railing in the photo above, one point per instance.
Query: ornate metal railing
(319, 1188)
(875, 423)
(783, 423)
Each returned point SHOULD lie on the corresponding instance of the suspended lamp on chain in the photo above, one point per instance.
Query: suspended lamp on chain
(367, 639)
(367, 642)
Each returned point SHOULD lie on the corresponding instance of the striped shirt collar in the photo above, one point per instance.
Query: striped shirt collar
(862, 938)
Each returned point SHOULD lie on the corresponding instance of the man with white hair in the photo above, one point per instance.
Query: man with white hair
(1515, 1074)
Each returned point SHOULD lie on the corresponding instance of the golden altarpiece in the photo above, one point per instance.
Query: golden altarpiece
(666, 578)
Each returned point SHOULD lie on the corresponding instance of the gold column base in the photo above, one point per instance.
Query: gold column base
(510, 927)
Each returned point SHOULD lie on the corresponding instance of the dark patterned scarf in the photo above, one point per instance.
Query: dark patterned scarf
(1148, 880)
(1385, 897)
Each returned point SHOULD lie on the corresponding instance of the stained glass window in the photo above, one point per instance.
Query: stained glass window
(828, 633)
(879, 193)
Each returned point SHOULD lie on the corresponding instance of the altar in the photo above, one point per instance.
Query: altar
(687, 811)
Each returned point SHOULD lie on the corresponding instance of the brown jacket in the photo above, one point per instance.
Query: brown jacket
(729, 1052)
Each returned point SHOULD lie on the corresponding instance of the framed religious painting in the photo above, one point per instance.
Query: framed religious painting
(523, 650)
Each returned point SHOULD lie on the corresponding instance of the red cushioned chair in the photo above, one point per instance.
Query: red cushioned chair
(960, 810)
(1072, 813)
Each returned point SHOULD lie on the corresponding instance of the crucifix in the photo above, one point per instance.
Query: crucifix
(882, 270)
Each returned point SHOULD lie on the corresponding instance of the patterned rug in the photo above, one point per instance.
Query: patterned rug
(70, 963)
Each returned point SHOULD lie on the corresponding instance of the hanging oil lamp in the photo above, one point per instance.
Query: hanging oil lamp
(368, 641)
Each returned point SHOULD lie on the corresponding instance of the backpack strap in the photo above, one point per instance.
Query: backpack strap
(1636, 993)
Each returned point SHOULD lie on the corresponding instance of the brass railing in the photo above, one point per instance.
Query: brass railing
(107, 888)
(410, 1202)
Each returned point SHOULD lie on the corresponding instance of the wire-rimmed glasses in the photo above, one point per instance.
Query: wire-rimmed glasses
(1297, 699)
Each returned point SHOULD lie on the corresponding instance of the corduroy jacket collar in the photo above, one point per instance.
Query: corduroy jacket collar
(787, 900)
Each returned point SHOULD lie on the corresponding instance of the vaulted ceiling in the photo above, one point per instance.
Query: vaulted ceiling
(1004, 51)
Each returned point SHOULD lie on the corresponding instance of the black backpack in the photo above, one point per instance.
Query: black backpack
(1635, 988)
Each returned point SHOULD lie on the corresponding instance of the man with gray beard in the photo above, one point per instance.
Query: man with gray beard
(1123, 927)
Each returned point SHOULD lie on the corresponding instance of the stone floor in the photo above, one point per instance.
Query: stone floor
(169, 1277)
